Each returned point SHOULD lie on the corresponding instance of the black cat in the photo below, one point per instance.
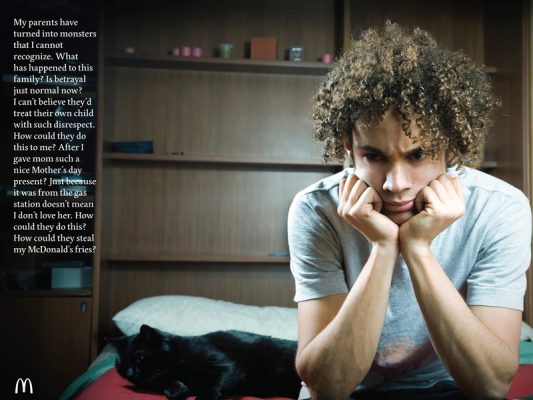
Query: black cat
(209, 366)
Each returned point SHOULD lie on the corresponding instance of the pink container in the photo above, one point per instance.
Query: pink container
(185, 51)
(327, 58)
(197, 52)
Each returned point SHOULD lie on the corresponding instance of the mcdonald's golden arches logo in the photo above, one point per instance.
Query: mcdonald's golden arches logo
(23, 382)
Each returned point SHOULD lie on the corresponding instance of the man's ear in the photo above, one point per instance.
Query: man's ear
(448, 157)
(348, 146)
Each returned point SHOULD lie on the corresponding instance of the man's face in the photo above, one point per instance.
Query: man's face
(395, 166)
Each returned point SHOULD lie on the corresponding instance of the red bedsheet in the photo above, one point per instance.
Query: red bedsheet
(522, 383)
(111, 386)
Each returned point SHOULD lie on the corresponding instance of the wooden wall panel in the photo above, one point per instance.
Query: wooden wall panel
(256, 284)
(157, 26)
(213, 113)
(456, 24)
(154, 210)
(161, 209)
(504, 50)
(39, 340)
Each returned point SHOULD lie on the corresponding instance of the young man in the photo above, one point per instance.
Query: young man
(410, 267)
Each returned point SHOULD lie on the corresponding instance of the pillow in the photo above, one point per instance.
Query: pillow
(190, 315)
(526, 332)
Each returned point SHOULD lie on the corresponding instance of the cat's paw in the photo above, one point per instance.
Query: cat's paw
(210, 395)
(176, 390)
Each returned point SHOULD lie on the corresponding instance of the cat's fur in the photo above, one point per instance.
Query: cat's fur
(209, 366)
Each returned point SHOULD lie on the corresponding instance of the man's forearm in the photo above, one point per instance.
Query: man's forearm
(338, 358)
(481, 363)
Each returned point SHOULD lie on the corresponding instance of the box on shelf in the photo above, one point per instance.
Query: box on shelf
(71, 277)
(296, 54)
(263, 48)
(135, 146)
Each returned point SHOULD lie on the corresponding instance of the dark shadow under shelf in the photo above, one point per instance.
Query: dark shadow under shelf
(219, 64)
(277, 162)
(83, 292)
(199, 258)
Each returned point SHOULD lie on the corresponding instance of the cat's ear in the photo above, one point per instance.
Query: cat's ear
(148, 334)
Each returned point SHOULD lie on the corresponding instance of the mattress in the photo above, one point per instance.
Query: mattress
(101, 381)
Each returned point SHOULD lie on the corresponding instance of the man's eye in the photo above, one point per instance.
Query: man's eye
(371, 157)
(417, 155)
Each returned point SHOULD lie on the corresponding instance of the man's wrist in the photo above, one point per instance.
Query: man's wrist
(411, 249)
(391, 248)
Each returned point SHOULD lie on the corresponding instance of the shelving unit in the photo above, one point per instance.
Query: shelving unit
(233, 138)
(232, 146)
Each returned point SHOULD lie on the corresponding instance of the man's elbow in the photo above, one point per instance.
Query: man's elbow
(498, 386)
(321, 382)
(496, 391)
(501, 387)
(309, 375)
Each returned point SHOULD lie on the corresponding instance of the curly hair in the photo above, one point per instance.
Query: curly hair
(448, 96)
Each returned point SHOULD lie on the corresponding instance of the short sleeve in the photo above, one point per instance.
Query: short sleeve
(316, 256)
(498, 278)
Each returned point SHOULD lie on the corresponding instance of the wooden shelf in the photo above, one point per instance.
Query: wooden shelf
(200, 258)
(489, 165)
(217, 160)
(228, 65)
(47, 293)
(219, 64)
(287, 162)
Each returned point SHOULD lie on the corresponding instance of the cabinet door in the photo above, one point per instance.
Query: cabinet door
(45, 339)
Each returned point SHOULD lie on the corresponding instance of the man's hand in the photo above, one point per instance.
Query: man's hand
(360, 206)
(440, 204)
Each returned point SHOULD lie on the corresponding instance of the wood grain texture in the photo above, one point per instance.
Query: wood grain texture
(256, 284)
(99, 209)
(219, 211)
(504, 50)
(455, 24)
(158, 26)
(45, 339)
(201, 209)
(223, 114)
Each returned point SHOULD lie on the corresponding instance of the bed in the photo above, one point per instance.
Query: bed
(188, 315)
(180, 315)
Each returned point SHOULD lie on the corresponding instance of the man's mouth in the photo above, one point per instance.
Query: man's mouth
(398, 207)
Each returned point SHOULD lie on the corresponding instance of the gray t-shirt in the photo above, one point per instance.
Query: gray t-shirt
(485, 254)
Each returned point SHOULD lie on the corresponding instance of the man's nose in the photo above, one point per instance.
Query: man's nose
(397, 179)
